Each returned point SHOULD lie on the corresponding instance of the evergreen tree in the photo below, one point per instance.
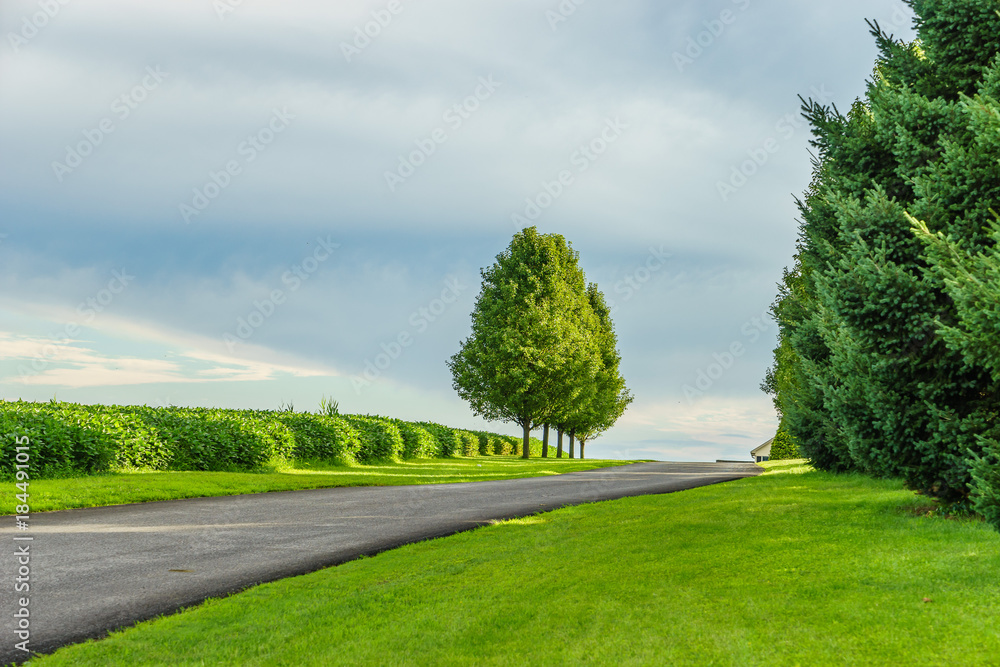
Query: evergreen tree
(967, 185)
(866, 375)
(783, 447)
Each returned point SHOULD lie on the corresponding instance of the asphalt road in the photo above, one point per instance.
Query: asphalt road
(95, 570)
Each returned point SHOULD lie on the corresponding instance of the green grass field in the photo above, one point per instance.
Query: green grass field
(117, 489)
(792, 568)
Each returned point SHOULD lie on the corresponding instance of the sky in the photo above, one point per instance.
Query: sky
(250, 204)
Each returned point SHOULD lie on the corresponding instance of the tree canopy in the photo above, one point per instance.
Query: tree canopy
(538, 350)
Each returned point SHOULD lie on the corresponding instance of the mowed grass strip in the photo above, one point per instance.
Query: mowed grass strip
(784, 569)
(117, 489)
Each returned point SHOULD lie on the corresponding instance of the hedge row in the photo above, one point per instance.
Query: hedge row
(68, 439)
(380, 438)
(452, 442)
(417, 441)
(492, 444)
(322, 438)
(448, 442)
(73, 439)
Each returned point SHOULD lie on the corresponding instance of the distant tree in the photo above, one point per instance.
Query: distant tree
(611, 397)
(528, 359)
(783, 447)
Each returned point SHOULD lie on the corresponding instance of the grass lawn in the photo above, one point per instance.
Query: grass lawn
(117, 489)
(794, 567)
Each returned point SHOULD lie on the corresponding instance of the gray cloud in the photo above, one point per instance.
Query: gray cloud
(687, 129)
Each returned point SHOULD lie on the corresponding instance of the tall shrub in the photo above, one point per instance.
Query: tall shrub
(783, 447)
(417, 440)
(380, 438)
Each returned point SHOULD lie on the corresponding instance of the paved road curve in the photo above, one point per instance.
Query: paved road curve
(94, 570)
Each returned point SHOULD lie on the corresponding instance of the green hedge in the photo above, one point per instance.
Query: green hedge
(68, 439)
(487, 443)
(458, 442)
(470, 443)
(59, 446)
(323, 438)
(380, 438)
(417, 440)
(508, 445)
(448, 441)
(202, 439)
(494, 444)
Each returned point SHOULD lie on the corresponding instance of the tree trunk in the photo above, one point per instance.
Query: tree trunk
(559, 441)
(572, 432)
(582, 443)
(527, 440)
(545, 442)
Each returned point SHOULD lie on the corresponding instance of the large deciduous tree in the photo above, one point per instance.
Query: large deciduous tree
(610, 397)
(531, 354)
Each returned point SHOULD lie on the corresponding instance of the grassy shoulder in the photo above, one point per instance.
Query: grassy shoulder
(782, 569)
(122, 488)
(785, 466)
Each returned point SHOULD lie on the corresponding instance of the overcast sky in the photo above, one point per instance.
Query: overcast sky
(243, 204)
